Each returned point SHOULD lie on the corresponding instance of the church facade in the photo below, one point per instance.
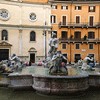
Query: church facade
(22, 28)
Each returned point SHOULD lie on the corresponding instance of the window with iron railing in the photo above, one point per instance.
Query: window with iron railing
(91, 35)
(77, 35)
(64, 35)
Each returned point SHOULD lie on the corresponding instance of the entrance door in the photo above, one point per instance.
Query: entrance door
(4, 54)
(77, 57)
(32, 57)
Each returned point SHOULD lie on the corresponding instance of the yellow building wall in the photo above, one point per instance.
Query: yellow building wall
(71, 13)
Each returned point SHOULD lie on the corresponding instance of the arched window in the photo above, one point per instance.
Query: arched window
(4, 35)
(32, 36)
(91, 35)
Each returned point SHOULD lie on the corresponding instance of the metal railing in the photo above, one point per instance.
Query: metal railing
(79, 40)
(83, 24)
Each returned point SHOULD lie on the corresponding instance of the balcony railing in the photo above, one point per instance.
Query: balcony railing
(80, 40)
(79, 25)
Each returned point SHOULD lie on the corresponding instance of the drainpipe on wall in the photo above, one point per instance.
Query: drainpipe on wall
(70, 31)
(99, 38)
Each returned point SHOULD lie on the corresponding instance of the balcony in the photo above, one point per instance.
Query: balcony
(81, 40)
(79, 25)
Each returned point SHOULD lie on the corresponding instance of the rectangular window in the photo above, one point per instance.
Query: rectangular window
(90, 46)
(78, 7)
(77, 46)
(53, 19)
(54, 6)
(91, 8)
(64, 34)
(64, 20)
(64, 7)
(91, 20)
(63, 46)
(91, 35)
(77, 19)
(77, 35)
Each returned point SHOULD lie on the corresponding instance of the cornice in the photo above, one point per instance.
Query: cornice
(30, 4)
(74, 2)
(24, 26)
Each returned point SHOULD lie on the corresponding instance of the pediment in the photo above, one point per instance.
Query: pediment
(5, 44)
(32, 50)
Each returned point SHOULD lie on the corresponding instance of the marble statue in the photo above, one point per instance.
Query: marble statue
(55, 61)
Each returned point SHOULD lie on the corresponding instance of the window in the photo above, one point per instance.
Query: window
(77, 19)
(53, 19)
(55, 33)
(90, 46)
(4, 14)
(32, 36)
(64, 20)
(63, 46)
(91, 35)
(91, 20)
(54, 6)
(64, 7)
(4, 35)
(78, 7)
(32, 16)
(91, 8)
(64, 35)
(77, 35)
(77, 46)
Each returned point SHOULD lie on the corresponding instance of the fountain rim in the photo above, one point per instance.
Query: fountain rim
(59, 76)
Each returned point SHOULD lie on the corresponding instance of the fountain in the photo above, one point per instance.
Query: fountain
(55, 77)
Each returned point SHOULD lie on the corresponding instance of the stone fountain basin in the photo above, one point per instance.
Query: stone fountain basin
(60, 85)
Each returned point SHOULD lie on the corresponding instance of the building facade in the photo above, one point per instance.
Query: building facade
(77, 24)
(22, 26)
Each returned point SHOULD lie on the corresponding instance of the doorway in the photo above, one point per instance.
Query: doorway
(4, 54)
(32, 57)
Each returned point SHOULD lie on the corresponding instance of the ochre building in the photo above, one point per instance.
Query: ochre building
(77, 25)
